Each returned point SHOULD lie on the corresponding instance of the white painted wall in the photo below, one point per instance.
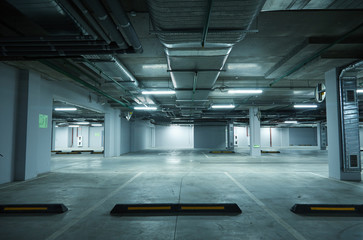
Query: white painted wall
(96, 137)
(213, 137)
(242, 138)
(140, 135)
(92, 137)
(61, 137)
(174, 137)
(303, 136)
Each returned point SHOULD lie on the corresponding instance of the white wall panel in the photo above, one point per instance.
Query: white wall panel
(173, 137)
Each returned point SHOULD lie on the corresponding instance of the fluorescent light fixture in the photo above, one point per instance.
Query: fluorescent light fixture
(155, 66)
(305, 106)
(145, 108)
(73, 126)
(82, 123)
(233, 66)
(359, 90)
(66, 109)
(291, 122)
(245, 91)
(161, 92)
(223, 106)
(96, 124)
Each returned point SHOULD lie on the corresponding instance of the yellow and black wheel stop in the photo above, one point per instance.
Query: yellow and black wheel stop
(167, 209)
(32, 208)
(328, 209)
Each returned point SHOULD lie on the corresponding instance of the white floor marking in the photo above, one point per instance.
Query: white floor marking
(85, 213)
(336, 180)
(278, 219)
(26, 181)
(206, 155)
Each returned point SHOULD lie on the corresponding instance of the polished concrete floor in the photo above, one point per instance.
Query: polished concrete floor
(264, 187)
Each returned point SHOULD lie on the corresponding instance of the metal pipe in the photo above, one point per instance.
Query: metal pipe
(206, 26)
(65, 5)
(84, 83)
(90, 19)
(62, 53)
(315, 55)
(106, 22)
(126, 27)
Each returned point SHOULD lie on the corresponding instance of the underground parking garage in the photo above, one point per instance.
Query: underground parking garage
(166, 119)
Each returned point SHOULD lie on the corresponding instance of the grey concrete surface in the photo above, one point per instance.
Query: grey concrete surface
(264, 187)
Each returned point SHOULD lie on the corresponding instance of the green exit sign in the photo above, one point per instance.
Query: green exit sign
(43, 121)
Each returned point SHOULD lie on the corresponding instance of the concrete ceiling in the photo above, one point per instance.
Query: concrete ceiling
(284, 49)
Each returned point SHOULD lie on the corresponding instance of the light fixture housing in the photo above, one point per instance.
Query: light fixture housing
(159, 92)
(305, 106)
(224, 106)
(359, 90)
(245, 91)
(81, 123)
(73, 126)
(96, 125)
(145, 108)
(292, 122)
(65, 109)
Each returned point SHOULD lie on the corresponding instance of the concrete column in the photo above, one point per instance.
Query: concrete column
(230, 136)
(339, 144)
(255, 134)
(33, 132)
(112, 133)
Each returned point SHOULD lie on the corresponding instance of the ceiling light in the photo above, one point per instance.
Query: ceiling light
(359, 90)
(233, 66)
(245, 91)
(223, 106)
(155, 66)
(162, 92)
(96, 125)
(145, 108)
(291, 122)
(66, 109)
(73, 126)
(82, 123)
(305, 106)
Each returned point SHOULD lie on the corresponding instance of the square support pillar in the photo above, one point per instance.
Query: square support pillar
(343, 127)
(255, 135)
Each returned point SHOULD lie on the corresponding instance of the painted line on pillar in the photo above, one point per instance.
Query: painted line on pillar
(277, 218)
(206, 155)
(58, 233)
(336, 180)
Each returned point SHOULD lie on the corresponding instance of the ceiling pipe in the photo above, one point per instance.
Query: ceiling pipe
(92, 21)
(106, 22)
(84, 83)
(206, 26)
(314, 56)
(65, 5)
(125, 24)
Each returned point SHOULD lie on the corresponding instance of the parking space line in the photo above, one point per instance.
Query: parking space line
(58, 233)
(276, 217)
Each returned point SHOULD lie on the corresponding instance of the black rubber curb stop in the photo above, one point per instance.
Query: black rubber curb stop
(167, 209)
(33, 208)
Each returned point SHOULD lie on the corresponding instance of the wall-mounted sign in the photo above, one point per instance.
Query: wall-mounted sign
(43, 121)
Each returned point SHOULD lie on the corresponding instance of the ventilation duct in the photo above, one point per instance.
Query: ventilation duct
(198, 36)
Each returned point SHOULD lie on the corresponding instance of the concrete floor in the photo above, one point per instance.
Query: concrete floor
(265, 188)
